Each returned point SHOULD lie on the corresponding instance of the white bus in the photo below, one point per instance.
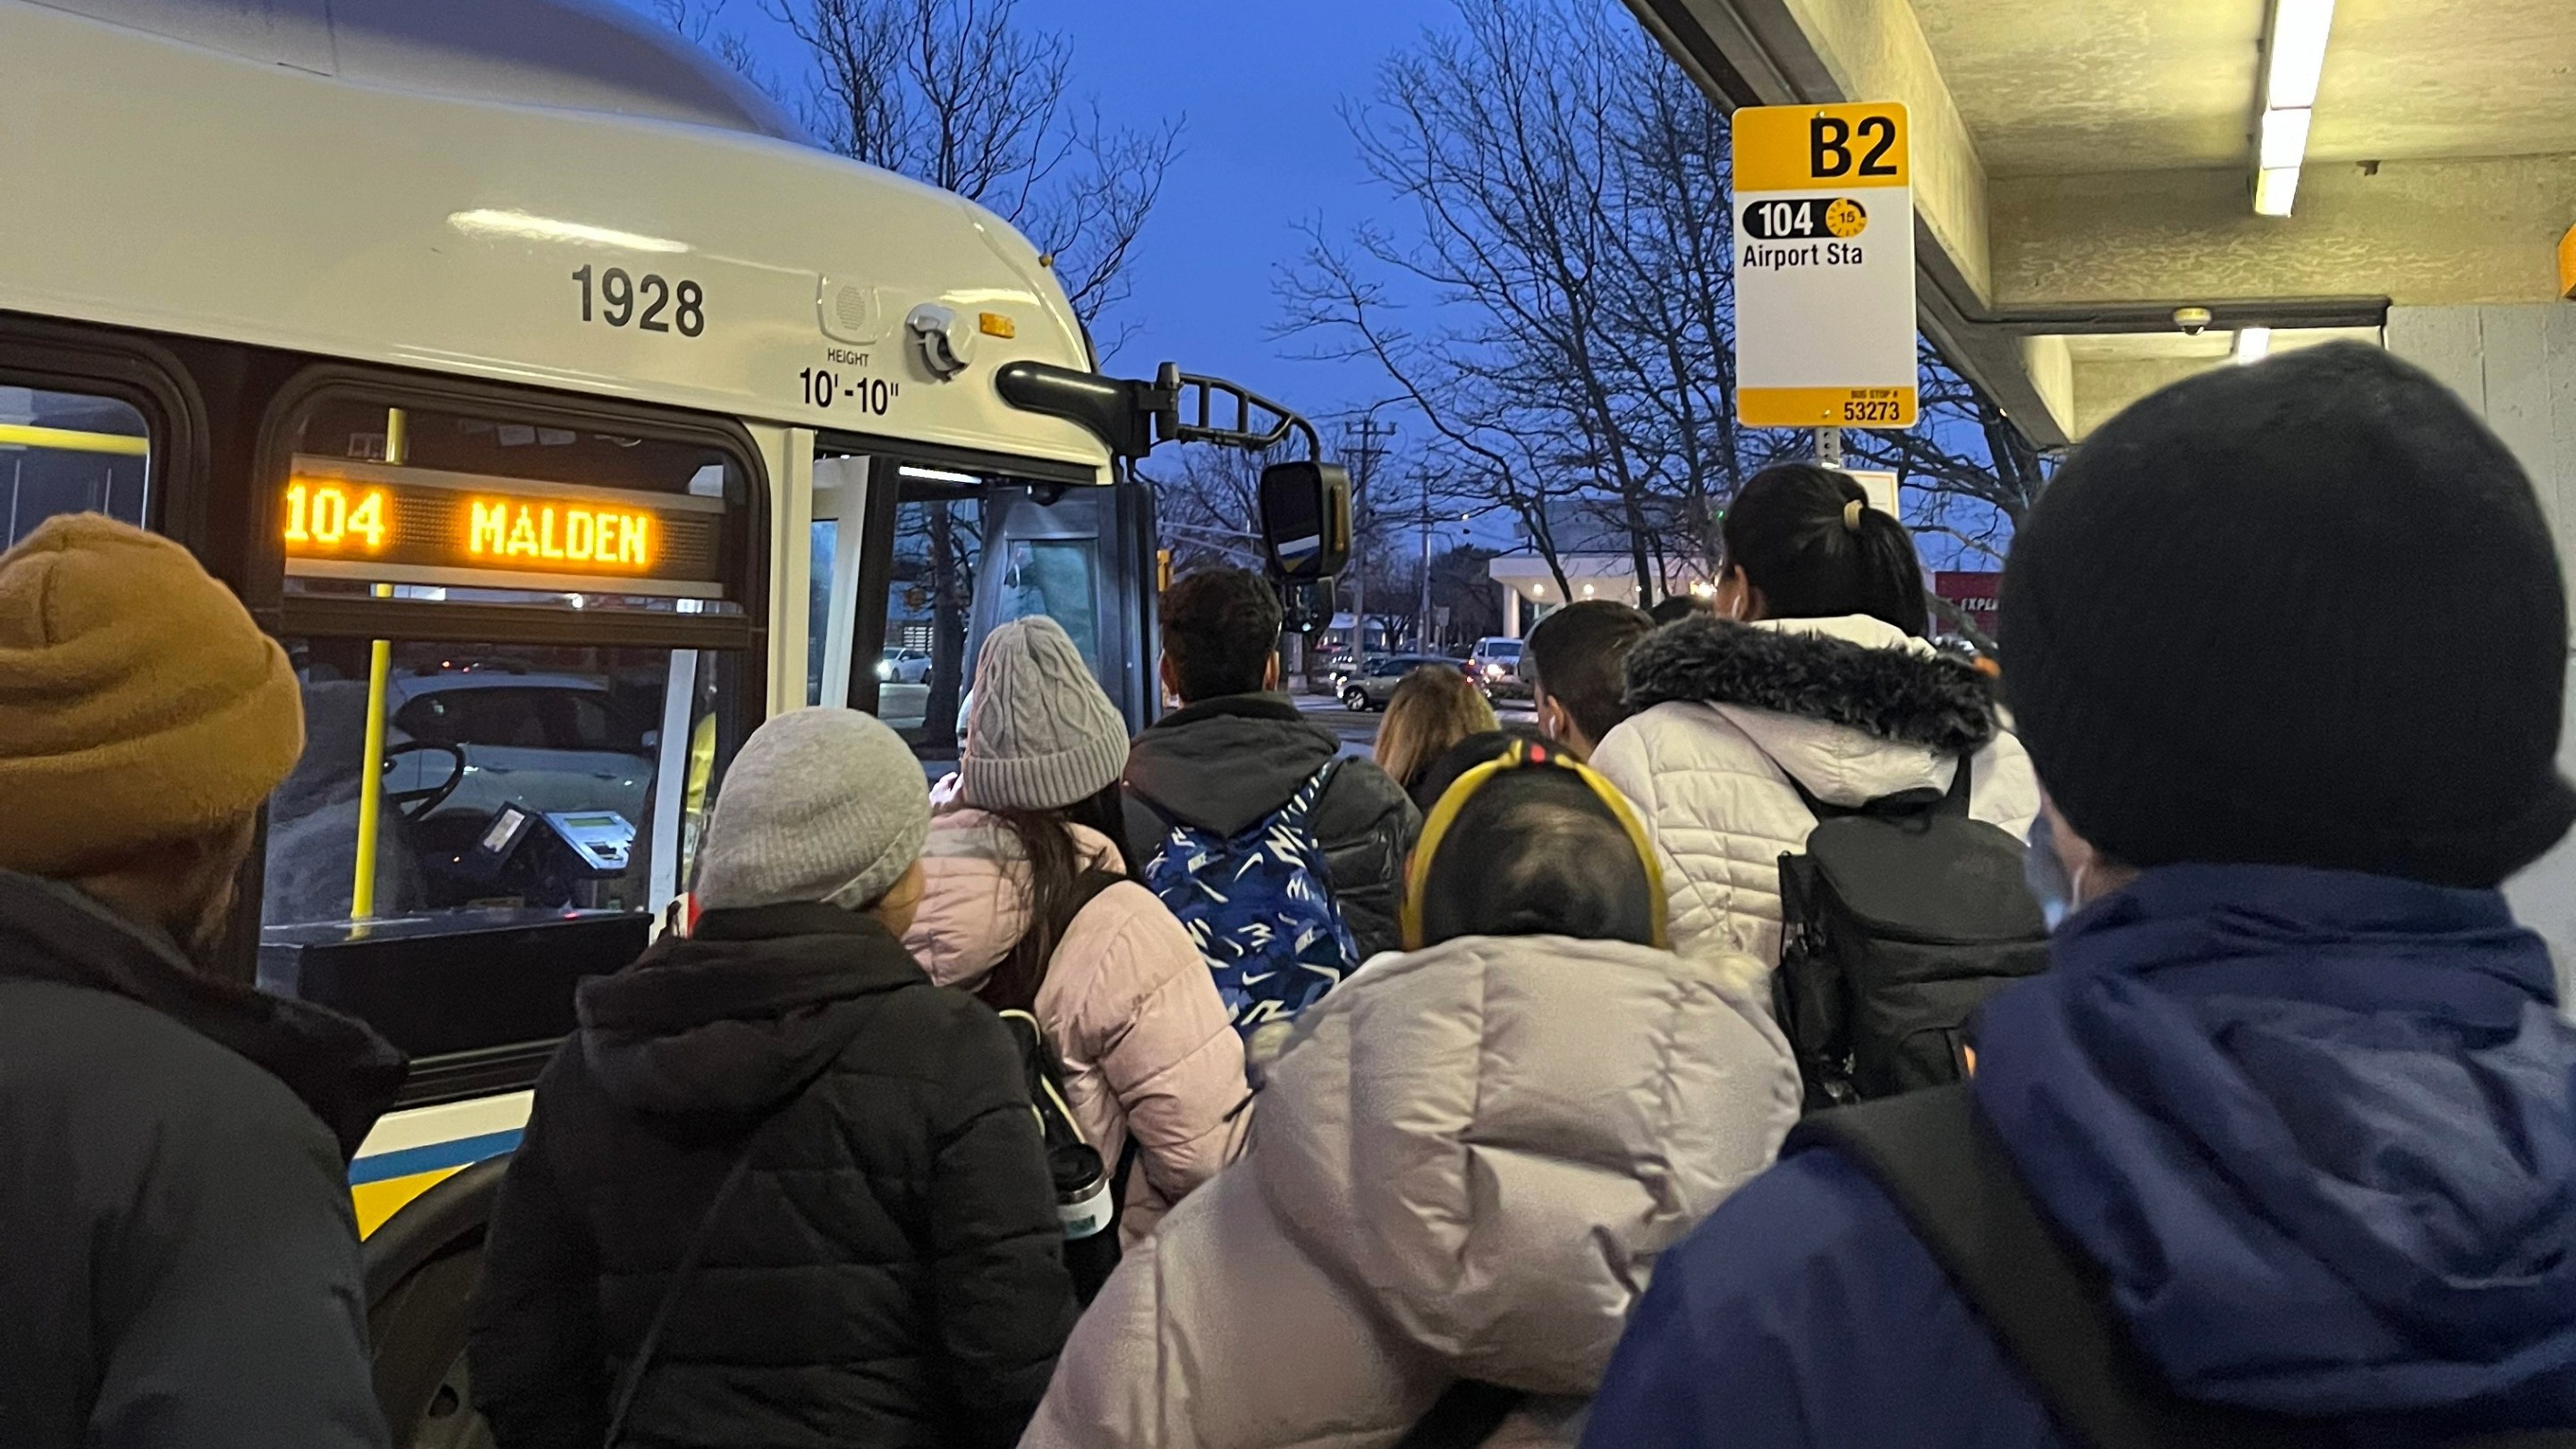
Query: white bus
(565, 415)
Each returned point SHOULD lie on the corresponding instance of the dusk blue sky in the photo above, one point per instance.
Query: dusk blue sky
(1259, 87)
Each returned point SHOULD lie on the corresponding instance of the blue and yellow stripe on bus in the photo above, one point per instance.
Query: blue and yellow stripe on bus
(409, 1151)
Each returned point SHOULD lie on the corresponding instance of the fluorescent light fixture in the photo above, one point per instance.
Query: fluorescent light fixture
(937, 475)
(2284, 141)
(2275, 188)
(2298, 53)
(2294, 57)
(2253, 344)
(546, 228)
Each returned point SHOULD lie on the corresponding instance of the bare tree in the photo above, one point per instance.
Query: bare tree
(960, 94)
(1570, 203)
(695, 22)
(1207, 504)
(1972, 473)
(1567, 359)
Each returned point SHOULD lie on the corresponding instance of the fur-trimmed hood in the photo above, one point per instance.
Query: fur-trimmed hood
(1857, 673)
(1731, 717)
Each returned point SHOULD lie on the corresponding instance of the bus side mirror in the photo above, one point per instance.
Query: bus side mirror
(1305, 520)
(1308, 608)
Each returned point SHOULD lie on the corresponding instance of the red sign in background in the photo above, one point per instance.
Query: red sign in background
(1974, 592)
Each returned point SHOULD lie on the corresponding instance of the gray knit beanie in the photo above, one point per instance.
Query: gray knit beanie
(1042, 734)
(820, 805)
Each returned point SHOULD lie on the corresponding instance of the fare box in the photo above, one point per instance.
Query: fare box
(1824, 267)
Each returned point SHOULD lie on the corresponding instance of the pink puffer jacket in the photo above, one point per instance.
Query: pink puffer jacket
(1127, 1003)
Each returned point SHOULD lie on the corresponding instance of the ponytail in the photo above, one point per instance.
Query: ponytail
(1055, 870)
(1808, 539)
(1891, 573)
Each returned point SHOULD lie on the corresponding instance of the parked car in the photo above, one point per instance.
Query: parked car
(1495, 665)
(1339, 677)
(1375, 683)
(903, 666)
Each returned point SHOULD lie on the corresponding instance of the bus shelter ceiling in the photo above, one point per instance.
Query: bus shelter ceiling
(2083, 159)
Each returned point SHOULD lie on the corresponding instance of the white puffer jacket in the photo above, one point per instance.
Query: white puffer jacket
(1853, 707)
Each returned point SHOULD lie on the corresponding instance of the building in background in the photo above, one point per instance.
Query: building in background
(1591, 537)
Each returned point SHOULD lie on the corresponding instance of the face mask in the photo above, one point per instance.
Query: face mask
(2046, 874)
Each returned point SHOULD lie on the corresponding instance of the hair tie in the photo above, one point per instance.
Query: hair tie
(1851, 515)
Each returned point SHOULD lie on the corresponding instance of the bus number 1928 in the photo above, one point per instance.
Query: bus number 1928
(614, 301)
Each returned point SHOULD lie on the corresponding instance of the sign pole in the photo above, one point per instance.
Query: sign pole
(1829, 447)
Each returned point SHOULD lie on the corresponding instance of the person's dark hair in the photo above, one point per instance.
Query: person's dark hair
(1220, 627)
(1466, 755)
(1055, 871)
(1673, 608)
(1535, 853)
(1794, 532)
(1578, 656)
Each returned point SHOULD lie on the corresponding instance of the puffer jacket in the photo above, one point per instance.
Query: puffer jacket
(1853, 708)
(1469, 1159)
(178, 1258)
(2314, 1130)
(1127, 1003)
(890, 1270)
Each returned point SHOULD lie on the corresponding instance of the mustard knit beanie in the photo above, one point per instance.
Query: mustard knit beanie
(138, 702)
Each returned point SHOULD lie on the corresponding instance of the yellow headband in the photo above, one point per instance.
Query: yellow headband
(1522, 754)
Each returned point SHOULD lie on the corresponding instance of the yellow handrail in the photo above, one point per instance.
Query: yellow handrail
(70, 440)
(371, 777)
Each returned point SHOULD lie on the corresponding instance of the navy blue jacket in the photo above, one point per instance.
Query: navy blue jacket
(2315, 1125)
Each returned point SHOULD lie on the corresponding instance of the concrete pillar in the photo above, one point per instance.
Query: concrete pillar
(2516, 365)
(1511, 612)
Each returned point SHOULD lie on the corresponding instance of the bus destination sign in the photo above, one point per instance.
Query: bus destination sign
(401, 525)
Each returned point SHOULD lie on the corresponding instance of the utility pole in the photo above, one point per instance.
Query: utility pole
(1422, 631)
(1364, 455)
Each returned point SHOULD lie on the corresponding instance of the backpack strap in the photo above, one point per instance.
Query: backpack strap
(1466, 1415)
(1087, 887)
(632, 1380)
(2047, 1304)
(1956, 801)
(1919, 802)
(1312, 792)
(1118, 1179)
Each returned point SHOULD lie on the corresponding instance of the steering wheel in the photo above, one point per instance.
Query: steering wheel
(410, 805)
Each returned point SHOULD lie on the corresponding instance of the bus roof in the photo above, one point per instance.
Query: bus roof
(578, 54)
(636, 230)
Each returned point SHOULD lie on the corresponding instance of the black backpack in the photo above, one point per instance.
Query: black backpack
(2045, 1301)
(1899, 920)
(1089, 1201)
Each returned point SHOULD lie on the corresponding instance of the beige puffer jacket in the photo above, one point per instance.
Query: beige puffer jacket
(1469, 1158)
(1127, 1003)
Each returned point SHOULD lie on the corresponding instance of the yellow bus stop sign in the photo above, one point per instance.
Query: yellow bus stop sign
(1824, 267)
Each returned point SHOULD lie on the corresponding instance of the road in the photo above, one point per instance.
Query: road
(1359, 731)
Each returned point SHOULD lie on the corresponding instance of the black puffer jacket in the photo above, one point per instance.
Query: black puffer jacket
(890, 1272)
(1224, 763)
(178, 1256)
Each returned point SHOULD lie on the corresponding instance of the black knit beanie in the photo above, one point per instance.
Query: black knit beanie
(2303, 613)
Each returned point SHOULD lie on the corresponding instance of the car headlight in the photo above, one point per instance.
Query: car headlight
(884, 670)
